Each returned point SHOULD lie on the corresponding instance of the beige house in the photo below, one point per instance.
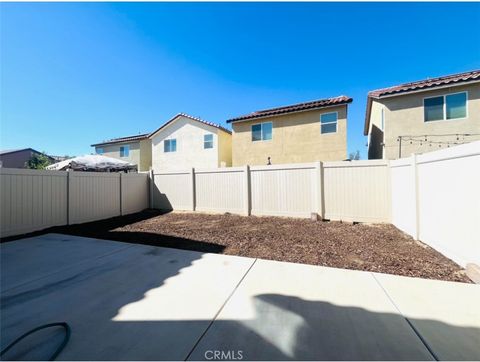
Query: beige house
(423, 116)
(304, 132)
(185, 142)
(134, 149)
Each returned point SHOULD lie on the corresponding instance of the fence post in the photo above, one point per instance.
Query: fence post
(121, 193)
(415, 185)
(320, 199)
(246, 191)
(151, 181)
(192, 179)
(69, 197)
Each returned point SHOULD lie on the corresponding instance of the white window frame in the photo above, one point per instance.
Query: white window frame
(445, 107)
(128, 148)
(169, 140)
(261, 131)
(336, 123)
(212, 141)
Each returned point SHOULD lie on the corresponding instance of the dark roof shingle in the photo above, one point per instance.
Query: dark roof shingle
(294, 108)
(122, 139)
(427, 83)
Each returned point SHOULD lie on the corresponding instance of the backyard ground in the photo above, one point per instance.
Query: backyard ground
(378, 248)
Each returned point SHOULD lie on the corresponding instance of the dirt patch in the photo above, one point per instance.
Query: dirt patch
(379, 248)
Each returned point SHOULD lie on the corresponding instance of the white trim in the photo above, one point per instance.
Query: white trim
(261, 131)
(335, 122)
(444, 96)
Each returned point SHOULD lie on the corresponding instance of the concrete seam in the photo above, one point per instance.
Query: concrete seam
(424, 342)
(67, 267)
(219, 310)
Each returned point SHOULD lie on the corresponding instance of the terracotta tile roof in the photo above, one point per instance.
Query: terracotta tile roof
(122, 139)
(427, 83)
(418, 86)
(294, 108)
(193, 118)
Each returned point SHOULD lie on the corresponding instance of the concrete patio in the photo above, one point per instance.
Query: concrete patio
(139, 302)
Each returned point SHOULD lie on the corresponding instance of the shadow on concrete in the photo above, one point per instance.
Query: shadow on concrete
(281, 327)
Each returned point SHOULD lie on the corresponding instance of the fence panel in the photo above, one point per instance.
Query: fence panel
(220, 190)
(449, 201)
(283, 190)
(403, 195)
(134, 192)
(31, 200)
(357, 191)
(173, 190)
(93, 196)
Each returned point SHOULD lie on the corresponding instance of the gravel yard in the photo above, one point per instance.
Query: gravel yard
(378, 248)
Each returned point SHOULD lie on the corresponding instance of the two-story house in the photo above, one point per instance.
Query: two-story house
(134, 149)
(304, 132)
(185, 141)
(422, 116)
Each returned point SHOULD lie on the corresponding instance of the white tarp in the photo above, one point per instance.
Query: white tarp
(92, 163)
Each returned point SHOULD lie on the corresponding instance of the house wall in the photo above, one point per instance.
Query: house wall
(224, 149)
(376, 132)
(296, 138)
(17, 159)
(404, 115)
(145, 155)
(190, 152)
(114, 151)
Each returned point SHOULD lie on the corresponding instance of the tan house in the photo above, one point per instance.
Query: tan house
(304, 132)
(423, 116)
(134, 149)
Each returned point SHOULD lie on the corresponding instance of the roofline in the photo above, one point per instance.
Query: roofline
(370, 98)
(299, 111)
(112, 142)
(24, 149)
(341, 103)
(174, 118)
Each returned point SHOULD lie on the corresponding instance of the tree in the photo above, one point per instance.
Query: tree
(38, 161)
(354, 155)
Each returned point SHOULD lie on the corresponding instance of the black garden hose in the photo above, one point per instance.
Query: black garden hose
(60, 347)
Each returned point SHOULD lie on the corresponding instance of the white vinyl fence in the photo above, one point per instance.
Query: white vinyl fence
(436, 199)
(36, 199)
(350, 191)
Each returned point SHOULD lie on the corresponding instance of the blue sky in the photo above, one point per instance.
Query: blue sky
(73, 74)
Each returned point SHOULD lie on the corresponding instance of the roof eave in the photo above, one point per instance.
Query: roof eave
(343, 103)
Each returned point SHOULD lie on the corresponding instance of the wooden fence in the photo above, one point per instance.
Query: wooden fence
(32, 200)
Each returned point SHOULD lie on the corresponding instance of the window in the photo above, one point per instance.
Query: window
(328, 122)
(99, 151)
(124, 151)
(208, 141)
(262, 131)
(450, 106)
(170, 145)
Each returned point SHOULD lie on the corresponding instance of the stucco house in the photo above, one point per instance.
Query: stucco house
(304, 132)
(184, 142)
(423, 116)
(134, 149)
(18, 158)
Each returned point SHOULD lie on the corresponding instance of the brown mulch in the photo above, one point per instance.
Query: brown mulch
(379, 248)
